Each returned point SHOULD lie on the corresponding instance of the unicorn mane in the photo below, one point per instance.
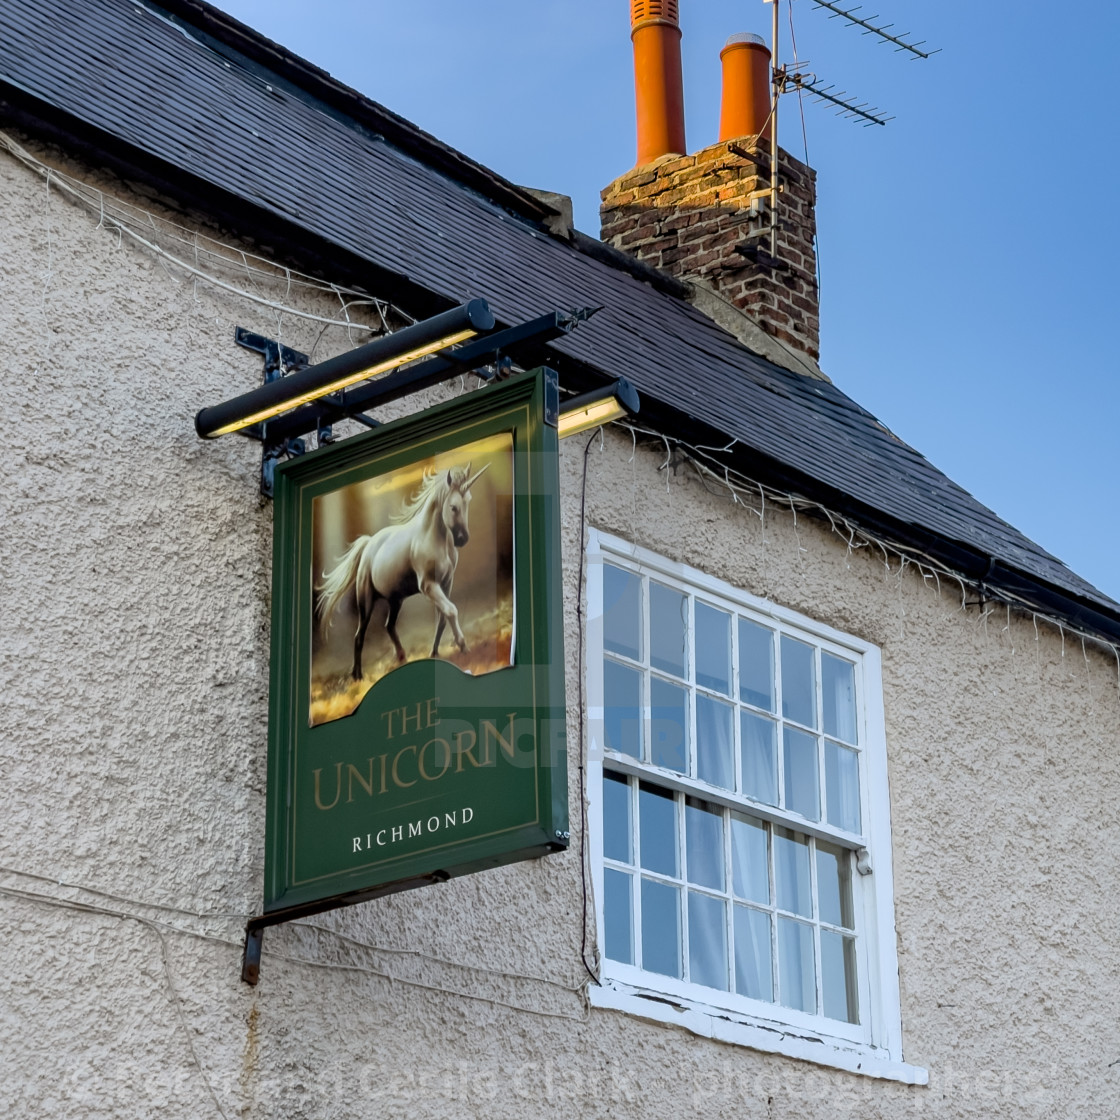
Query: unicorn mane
(433, 480)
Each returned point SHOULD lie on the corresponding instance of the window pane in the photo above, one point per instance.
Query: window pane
(799, 690)
(657, 817)
(622, 708)
(622, 612)
(760, 757)
(838, 685)
(841, 775)
(661, 928)
(715, 742)
(797, 977)
(703, 824)
(802, 776)
(750, 868)
(834, 885)
(707, 940)
(713, 648)
(616, 915)
(791, 872)
(668, 725)
(756, 665)
(616, 817)
(667, 635)
(838, 976)
(754, 974)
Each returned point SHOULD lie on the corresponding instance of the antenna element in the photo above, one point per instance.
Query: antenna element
(870, 29)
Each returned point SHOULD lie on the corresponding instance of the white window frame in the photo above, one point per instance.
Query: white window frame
(873, 1047)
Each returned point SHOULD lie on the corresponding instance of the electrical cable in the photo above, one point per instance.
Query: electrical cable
(82, 192)
(581, 746)
(105, 911)
(805, 147)
(856, 537)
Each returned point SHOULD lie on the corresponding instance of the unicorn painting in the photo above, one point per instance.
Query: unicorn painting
(416, 553)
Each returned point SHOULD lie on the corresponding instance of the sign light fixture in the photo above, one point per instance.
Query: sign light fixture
(375, 358)
(600, 406)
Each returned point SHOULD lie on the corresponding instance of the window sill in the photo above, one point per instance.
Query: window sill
(758, 1034)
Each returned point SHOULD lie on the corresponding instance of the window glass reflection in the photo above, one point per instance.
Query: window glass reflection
(713, 648)
(838, 688)
(668, 610)
(754, 973)
(657, 821)
(760, 757)
(749, 863)
(799, 685)
(661, 928)
(622, 612)
(617, 832)
(715, 742)
(791, 872)
(707, 940)
(802, 776)
(834, 885)
(838, 977)
(668, 725)
(619, 935)
(841, 775)
(703, 823)
(797, 973)
(756, 665)
(622, 708)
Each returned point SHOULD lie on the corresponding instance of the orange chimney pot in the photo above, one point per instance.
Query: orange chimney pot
(658, 85)
(745, 108)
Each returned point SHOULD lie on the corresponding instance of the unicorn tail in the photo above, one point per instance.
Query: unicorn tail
(338, 581)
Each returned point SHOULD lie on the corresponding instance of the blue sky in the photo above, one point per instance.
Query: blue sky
(967, 248)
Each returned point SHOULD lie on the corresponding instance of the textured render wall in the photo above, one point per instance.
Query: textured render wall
(133, 657)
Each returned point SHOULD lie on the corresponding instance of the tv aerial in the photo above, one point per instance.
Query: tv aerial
(787, 79)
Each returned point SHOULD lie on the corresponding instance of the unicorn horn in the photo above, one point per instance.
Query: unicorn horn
(474, 478)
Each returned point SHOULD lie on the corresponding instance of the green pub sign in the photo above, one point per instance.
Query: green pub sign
(416, 722)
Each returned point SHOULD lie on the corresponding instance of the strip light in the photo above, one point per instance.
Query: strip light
(600, 406)
(375, 358)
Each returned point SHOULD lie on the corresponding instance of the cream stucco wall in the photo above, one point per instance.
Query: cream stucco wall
(135, 573)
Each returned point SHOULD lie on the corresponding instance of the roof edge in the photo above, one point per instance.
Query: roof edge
(28, 112)
(980, 570)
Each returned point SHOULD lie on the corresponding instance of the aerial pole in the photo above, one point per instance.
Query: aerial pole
(776, 92)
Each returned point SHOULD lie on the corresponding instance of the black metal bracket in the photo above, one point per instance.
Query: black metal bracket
(271, 454)
(760, 157)
(278, 358)
(255, 927)
(551, 397)
(251, 959)
(759, 256)
(278, 361)
(490, 358)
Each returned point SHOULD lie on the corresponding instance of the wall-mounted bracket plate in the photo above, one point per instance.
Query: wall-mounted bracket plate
(278, 358)
(278, 361)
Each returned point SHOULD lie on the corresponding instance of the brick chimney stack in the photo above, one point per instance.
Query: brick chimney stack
(705, 218)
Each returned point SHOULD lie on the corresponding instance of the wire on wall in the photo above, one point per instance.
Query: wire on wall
(209, 254)
(162, 928)
(717, 478)
(581, 745)
(130, 910)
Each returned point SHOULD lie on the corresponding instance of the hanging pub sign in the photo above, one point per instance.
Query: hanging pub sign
(416, 721)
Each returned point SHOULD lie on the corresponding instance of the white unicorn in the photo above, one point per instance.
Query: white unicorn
(418, 553)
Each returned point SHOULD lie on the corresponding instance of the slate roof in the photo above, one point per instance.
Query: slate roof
(192, 90)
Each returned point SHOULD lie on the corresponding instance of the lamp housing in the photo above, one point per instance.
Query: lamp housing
(589, 410)
(377, 357)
